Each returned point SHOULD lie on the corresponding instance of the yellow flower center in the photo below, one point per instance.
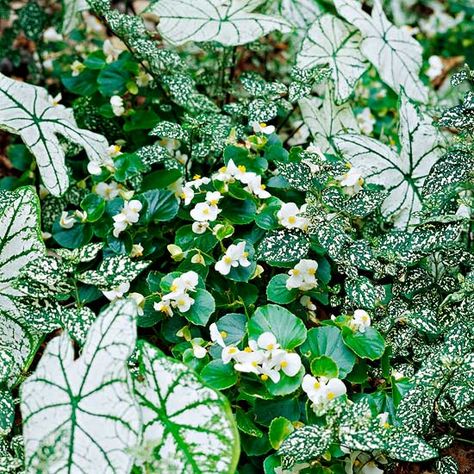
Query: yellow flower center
(173, 287)
(263, 124)
(223, 169)
(295, 272)
(242, 168)
(317, 385)
(292, 219)
(312, 271)
(284, 364)
(213, 202)
(223, 334)
(360, 181)
(227, 259)
(263, 186)
(254, 363)
(330, 395)
(205, 211)
(180, 302)
(247, 349)
(232, 350)
(245, 254)
(264, 377)
(270, 347)
(196, 176)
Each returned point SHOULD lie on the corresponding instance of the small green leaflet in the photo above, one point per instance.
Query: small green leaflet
(71, 14)
(30, 112)
(84, 410)
(188, 426)
(300, 13)
(20, 239)
(229, 22)
(393, 52)
(332, 42)
(325, 119)
(404, 174)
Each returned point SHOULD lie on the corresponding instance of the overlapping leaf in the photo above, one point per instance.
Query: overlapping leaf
(71, 15)
(325, 119)
(229, 22)
(84, 410)
(20, 240)
(403, 175)
(300, 13)
(332, 42)
(29, 111)
(189, 426)
(393, 52)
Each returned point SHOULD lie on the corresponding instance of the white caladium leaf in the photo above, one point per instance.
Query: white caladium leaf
(393, 52)
(188, 427)
(30, 112)
(17, 346)
(71, 14)
(325, 119)
(229, 22)
(20, 239)
(300, 13)
(332, 42)
(84, 410)
(403, 175)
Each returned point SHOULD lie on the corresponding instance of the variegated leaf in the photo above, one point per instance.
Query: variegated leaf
(229, 22)
(300, 13)
(325, 119)
(393, 52)
(404, 174)
(332, 42)
(30, 112)
(20, 239)
(84, 411)
(188, 426)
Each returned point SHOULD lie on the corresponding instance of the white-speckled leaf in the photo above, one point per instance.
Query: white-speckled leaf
(29, 111)
(229, 22)
(20, 239)
(84, 410)
(332, 42)
(393, 52)
(325, 119)
(189, 426)
(404, 174)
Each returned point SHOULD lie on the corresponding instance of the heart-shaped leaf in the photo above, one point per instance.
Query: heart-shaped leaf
(84, 410)
(30, 112)
(189, 426)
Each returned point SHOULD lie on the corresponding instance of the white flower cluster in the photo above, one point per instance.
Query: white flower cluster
(263, 357)
(321, 390)
(130, 214)
(205, 212)
(439, 21)
(436, 67)
(108, 191)
(179, 297)
(360, 320)
(291, 216)
(231, 173)
(95, 168)
(234, 256)
(366, 121)
(303, 275)
(118, 108)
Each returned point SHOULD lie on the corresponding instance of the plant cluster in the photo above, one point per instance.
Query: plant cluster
(236, 236)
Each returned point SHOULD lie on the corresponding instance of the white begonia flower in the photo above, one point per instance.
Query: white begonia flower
(111, 51)
(199, 351)
(235, 255)
(77, 67)
(143, 79)
(305, 301)
(248, 361)
(256, 187)
(95, 168)
(203, 212)
(351, 181)
(263, 128)
(289, 216)
(163, 307)
(183, 302)
(436, 67)
(187, 194)
(268, 341)
(130, 214)
(66, 221)
(288, 362)
(213, 197)
(140, 300)
(216, 335)
(321, 390)
(55, 101)
(93, 24)
(190, 280)
(116, 103)
(137, 250)
(267, 371)
(229, 353)
(366, 121)
(303, 275)
(200, 227)
(360, 320)
(50, 35)
(181, 157)
(108, 191)
(117, 292)
(114, 150)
